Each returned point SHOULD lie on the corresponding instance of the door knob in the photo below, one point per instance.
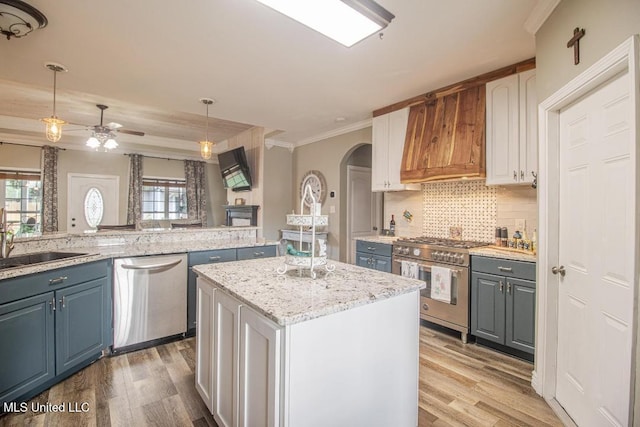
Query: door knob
(561, 270)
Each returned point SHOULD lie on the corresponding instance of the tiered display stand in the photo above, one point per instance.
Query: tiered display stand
(307, 260)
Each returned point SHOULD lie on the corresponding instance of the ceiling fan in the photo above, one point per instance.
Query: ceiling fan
(104, 135)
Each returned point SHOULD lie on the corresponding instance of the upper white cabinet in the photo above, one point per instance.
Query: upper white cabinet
(389, 131)
(512, 129)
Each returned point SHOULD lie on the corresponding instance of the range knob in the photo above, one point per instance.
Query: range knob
(405, 250)
(446, 256)
(460, 259)
(438, 256)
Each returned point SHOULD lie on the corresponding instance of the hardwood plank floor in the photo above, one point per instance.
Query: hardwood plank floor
(460, 385)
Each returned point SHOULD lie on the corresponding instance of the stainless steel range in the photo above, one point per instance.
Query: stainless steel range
(426, 253)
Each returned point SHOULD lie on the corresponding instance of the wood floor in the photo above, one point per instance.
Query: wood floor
(460, 385)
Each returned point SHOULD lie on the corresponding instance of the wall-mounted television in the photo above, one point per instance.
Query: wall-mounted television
(235, 169)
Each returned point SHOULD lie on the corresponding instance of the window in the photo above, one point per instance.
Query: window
(22, 194)
(164, 199)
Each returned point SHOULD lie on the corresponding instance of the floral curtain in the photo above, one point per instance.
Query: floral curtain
(49, 189)
(134, 205)
(196, 194)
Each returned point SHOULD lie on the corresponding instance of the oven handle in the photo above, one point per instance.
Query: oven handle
(424, 267)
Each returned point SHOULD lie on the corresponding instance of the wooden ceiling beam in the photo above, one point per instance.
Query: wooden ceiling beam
(482, 79)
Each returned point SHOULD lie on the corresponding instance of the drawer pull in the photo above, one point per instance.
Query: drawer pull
(507, 269)
(371, 248)
(215, 258)
(258, 254)
(58, 280)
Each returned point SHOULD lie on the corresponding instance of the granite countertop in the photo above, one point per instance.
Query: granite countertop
(493, 252)
(288, 299)
(379, 239)
(96, 253)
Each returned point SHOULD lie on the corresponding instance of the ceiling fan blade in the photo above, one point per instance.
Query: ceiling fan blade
(114, 126)
(130, 132)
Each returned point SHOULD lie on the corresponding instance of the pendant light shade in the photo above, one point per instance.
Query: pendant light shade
(53, 130)
(206, 146)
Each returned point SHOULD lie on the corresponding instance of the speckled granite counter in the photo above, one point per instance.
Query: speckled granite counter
(118, 244)
(288, 299)
(502, 253)
(379, 239)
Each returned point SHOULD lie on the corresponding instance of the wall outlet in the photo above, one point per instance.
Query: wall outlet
(520, 225)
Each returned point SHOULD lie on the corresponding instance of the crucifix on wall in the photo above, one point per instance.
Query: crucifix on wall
(575, 44)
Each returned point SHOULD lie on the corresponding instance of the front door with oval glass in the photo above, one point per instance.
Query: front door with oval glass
(91, 200)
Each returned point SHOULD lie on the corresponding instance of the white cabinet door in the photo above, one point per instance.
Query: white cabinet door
(388, 133)
(512, 129)
(528, 126)
(502, 131)
(225, 359)
(260, 370)
(379, 160)
(204, 341)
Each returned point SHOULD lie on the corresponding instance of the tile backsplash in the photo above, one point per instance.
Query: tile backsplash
(472, 205)
(467, 204)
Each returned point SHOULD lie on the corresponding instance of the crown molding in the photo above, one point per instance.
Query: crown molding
(539, 14)
(335, 132)
(270, 143)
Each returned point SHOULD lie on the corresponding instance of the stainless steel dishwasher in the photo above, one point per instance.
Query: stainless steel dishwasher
(149, 300)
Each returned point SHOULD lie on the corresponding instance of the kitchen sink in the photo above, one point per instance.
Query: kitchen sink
(36, 258)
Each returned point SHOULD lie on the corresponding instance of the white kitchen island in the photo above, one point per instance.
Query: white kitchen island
(285, 350)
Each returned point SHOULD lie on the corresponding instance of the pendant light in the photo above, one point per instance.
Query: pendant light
(54, 124)
(206, 146)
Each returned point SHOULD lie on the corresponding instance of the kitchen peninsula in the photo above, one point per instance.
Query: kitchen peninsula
(283, 350)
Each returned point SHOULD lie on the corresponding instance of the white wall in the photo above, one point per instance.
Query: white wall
(278, 177)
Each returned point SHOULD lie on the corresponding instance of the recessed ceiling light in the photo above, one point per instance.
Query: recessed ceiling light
(345, 21)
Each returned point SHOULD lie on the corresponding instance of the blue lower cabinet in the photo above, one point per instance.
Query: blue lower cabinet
(27, 349)
(373, 255)
(196, 258)
(256, 252)
(80, 328)
(48, 336)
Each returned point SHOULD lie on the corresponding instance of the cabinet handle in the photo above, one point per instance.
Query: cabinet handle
(501, 286)
(425, 307)
(57, 280)
(507, 269)
(522, 175)
(52, 304)
(370, 248)
(258, 254)
(215, 258)
(515, 175)
(508, 287)
(62, 303)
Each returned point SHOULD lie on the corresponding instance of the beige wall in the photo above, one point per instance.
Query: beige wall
(278, 189)
(20, 157)
(163, 168)
(607, 24)
(329, 157)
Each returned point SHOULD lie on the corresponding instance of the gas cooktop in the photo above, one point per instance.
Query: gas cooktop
(434, 241)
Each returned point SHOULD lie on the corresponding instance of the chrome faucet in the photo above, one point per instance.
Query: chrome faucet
(6, 236)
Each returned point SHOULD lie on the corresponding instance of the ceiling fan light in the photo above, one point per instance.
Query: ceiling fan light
(53, 130)
(205, 149)
(110, 144)
(93, 142)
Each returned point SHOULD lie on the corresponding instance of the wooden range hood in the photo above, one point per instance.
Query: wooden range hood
(445, 136)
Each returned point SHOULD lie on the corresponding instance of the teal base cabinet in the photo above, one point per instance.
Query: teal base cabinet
(373, 255)
(215, 256)
(196, 258)
(52, 324)
(503, 301)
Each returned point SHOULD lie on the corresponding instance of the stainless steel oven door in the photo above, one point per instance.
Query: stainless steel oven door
(451, 315)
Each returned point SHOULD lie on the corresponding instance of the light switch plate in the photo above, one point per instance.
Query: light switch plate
(520, 225)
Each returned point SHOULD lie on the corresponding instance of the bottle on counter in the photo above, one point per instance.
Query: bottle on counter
(504, 236)
(498, 237)
(534, 241)
(392, 226)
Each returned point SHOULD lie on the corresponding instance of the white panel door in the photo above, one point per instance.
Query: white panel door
(225, 359)
(259, 371)
(597, 249)
(81, 209)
